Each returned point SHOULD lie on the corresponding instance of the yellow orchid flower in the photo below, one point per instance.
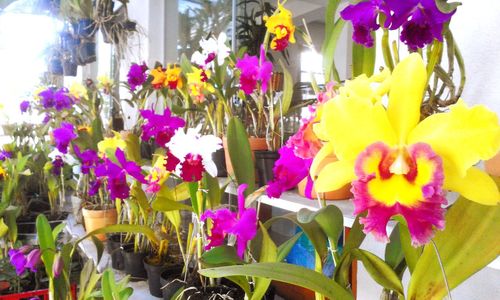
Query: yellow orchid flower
(109, 145)
(159, 77)
(3, 173)
(78, 91)
(173, 77)
(281, 26)
(105, 83)
(158, 175)
(197, 83)
(399, 165)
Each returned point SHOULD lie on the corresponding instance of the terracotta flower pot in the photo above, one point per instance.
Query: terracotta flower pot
(343, 193)
(95, 219)
(256, 144)
(492, 165)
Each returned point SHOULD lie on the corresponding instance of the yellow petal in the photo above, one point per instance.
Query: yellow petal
(405, 97)
(476, 186)
(463, 136)
(334, 176)
(353, 124)
(324, 152)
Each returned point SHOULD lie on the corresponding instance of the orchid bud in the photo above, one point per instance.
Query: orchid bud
(58, 265)
(33, 259)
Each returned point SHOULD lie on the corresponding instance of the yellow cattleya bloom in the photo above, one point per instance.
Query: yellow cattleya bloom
(281, 26)
(105, 83)
(109, 145)
(173, 80)
(399, 165)
(3, 173)
(77, 90)
(159, 77)
(197, 83)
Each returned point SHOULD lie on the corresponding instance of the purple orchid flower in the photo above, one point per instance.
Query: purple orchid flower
(63, 136)
(18, 260)
(33, 260)
(288, 171)
(47, 98)
(24, 106)
(4, 154)
(46, 119)
(421, 20)
(254, 70)
(161, 127)
(57, 266)
(94, 187)
(137, 75)
(243, 224)
(57, 165)
(62, 99)
(88, 158)
(132, 168)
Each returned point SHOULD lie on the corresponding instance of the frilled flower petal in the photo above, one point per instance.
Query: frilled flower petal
(245, 229)
(63, 136)
(405, 97)
(132, 168)
(353, 124)
(136, 75)
(416, 194)
(363, 16)
(476, 186)
(33, 260)
(463, 136)
(222, 221)
(192, 168)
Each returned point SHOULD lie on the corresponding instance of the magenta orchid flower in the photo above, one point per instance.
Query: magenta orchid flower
(63, 136)
(136, 75)
(47, 98)
(57, 165)
(243, 225)
(254, 70)
(62, 100)
(4, 154)
(24, 106)
(88, 158)
(117, 175)
(160, 127)
(288, 171)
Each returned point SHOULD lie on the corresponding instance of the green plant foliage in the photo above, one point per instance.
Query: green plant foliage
(240, 154)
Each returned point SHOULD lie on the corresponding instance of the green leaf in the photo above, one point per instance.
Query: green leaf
(221, 256)
(46, 242)
(380, 271)
(3, 228)
(57, 230)
(285, 248)
(287, 92)
(240, 154)
(283, 272)
(174, 217)
(312, 229)
(329, 218)
(99, 246)
(97, 135)
(10, 215)
(467, 244)
(163, 204)
(193, 190)
(179, 193)
(242, 282)
(446, 7)
(411, 253)
(127, 228)
(185, 64)
(393, 251)
(328, 50)
(268, 253)
(356, 235)
(108, 284)
(363, 60)
(214, 192)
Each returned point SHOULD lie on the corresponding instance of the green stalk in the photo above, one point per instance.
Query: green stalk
(386, 50)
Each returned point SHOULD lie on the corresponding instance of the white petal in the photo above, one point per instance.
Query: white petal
(210, 167)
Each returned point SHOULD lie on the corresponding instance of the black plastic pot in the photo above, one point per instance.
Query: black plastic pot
(114, 246)
(170, 282)
(87, 52)
(264, 164)
(70, 67)
(55, 66)
(214, 292)
(154, 275)
(133, 262)
(86, 28)
(220, 161)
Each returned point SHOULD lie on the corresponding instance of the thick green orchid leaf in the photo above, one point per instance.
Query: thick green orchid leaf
(3, 228)
(411, 253)
(46, 242)
(221, 256)
(363, 60)
(133, 149)
(127, 228)
(287, 93)
(467, 244)
(214, 192)
(329, 218)
(164, 205)
(268, 253)
(356, 235)
(333, 29)
(312, 229)
(446, 7)
(283, 272)
(379, 270)
(240, 154)
(287, 246)
(178, 193)
(10, 215)
(393, 251)
(99, 246)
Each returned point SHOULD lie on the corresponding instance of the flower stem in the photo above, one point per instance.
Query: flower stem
(445, 278)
